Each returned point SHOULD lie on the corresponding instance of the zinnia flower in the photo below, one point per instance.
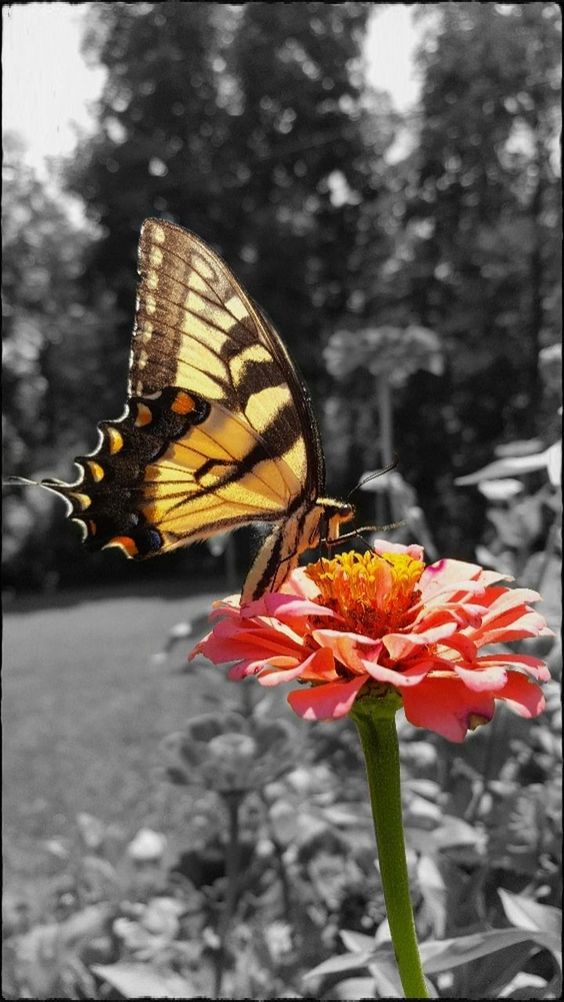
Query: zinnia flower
(363, 624)
(226, 753)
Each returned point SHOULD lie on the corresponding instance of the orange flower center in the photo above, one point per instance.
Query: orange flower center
(374, 593)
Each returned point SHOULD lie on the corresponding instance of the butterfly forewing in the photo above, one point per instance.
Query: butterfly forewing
(218, 431)
(196, 328)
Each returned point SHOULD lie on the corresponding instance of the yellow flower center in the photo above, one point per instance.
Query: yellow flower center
(374, 593)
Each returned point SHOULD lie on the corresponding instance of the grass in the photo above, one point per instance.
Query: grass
(84, 709)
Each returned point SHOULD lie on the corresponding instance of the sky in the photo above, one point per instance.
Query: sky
(48, 87)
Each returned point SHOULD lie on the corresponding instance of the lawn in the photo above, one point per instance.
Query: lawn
(84, 709)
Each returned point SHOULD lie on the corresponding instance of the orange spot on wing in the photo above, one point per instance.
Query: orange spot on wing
(183, 403)
(144, 415)
(115, 440)
(96, 470)
(126, 543)
(82, 500)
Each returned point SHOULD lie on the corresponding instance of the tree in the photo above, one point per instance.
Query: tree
(478, 237)
(51, 362)
(248, 126)
(485, 196)
(53, 372)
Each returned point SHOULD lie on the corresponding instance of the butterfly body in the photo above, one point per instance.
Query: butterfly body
(218, 430)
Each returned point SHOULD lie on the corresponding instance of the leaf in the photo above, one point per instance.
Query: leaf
(85, 924)
(509, 466)
(422, 814)
(356, 942)
(344, 962)
(454, 832)
(385, 973)
(101, 876)
(443, 955)
(342, 816)
(525, 986)
(44, 952)
(40, 958)
(426, 788)
(434, 892)
(143, 981)
(386, 981)
(353, 988)
(379, 960)
(525, 913)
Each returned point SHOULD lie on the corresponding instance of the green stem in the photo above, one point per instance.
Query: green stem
(375, 721)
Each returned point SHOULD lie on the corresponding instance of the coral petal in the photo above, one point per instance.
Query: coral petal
(482, 679)
(531, 665)
(323, 702)
(446, 706)
(320, 664)
(345, 646)
(412, 676)
(522, 696)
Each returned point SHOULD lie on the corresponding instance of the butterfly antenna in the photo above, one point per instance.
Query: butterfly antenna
(372, 476)
(375, 528)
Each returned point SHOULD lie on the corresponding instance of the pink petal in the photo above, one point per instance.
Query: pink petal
(508, 598)
(412, 676)
(522, 696)
(531, 665)
(299, 583)
(455, 578)
(446, 706)
(245, 668)
(447, 573)
(232, 640)
(489, 577)
(462, 644)
(506, 610)
(225, 606)
(452, 612)
(345, 646)
(319, 664)
(531, 625)
(325, 702)
(400, 646)
(199, 648)
(281, 606)
(479, 680)
(384, 546)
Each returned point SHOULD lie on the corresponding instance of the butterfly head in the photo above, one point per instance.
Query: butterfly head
(334, 514)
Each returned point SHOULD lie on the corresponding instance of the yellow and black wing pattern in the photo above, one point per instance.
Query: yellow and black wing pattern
(218, 430)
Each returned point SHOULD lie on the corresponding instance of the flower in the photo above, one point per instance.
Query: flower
(147, 846)
(226, 753)
(360, 625)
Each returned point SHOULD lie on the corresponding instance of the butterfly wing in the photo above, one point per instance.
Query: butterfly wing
(218, 429)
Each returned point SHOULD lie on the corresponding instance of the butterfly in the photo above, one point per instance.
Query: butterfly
(218, 430)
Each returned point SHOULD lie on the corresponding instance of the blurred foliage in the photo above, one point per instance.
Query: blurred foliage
(254, 126)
